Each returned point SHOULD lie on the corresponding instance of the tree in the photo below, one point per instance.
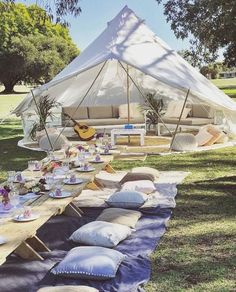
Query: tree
(32, 48)
(210, 23)
(57, 9)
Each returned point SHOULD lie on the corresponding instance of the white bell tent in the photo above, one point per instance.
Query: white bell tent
(98, 76)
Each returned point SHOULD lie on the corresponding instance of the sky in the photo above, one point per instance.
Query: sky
(96, 13)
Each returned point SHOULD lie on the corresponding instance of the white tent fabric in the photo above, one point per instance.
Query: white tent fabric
(155, 66)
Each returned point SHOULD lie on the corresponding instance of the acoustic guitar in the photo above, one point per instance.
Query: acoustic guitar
(84, 132)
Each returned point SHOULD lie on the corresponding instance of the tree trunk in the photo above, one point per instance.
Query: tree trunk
(9, 87)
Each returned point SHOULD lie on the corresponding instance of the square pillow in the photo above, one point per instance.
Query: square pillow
(68, 288)
(185, 113)
(143, 186)
(174, 109)
(145, 169)
(134, 111)
(101, 233)
(90, 262)
(120, 216)
(203, 137)
(127, 199)
(130, 176)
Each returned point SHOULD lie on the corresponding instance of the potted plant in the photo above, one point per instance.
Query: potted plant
(153, 109)
(44, 111)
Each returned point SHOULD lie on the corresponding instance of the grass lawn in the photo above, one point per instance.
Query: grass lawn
(227, 85)
(197, 253)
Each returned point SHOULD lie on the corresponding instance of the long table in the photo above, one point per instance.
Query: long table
(21, 236)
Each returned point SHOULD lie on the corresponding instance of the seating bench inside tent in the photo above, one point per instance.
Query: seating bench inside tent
(107, 85)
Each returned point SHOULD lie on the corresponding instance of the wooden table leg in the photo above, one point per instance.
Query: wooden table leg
(37, 244)
(109, 168)
(73, 210)
(25, 251)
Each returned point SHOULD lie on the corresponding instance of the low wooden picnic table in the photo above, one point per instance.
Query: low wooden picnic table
(22, 236)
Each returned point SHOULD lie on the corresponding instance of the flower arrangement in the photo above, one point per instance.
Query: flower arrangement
(4, 192)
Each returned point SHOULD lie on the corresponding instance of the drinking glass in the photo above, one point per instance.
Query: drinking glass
(50, 180)
(11, 178)
(65, 166)
(91, 150)
(31, 165)
(14, 198)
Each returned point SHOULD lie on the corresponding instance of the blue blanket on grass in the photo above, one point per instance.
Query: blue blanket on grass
(28, 276)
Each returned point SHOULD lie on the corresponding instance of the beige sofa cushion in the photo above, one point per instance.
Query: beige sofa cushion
(100, 112)
(110, 122)
(115, 111)
(135, 111)
(190, 121)
(200, 110)
(174, 109)
(80, 113)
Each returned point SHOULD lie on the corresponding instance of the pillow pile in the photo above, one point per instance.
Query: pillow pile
(148, 170)
(127, 199)
(120, 216)
(143, 186)
(209, 135)
(101, 233)
(137, 176)
(90, 262)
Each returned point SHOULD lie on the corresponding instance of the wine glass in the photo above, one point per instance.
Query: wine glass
(49, 180)
(11, 178)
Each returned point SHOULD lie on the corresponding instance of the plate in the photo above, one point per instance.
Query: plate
(2, 240)
(81, 169)
(77, 182)
(97, 161)
(21, 218)
(63, 195)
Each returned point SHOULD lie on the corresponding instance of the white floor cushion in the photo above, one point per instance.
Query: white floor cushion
(101, 233)
(144, 186)
(127, 199)
(184, 142)
(90, 262)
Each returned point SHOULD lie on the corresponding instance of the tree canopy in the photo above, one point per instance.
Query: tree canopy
(32, 47)
(57, 9)
(210, 24)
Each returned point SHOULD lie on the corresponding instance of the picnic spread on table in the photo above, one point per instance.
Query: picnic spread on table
(84, 222)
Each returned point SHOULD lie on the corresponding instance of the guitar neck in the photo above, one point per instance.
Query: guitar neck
(73, 120)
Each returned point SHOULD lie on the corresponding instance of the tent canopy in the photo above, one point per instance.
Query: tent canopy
(153, 65)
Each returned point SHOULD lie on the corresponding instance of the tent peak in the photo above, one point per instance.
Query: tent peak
(123, 15)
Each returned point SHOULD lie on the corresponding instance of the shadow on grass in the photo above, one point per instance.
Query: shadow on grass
(13, 157)
(13, 92)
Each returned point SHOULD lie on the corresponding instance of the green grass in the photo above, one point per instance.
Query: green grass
(227, 85)
(13, 157)
(197, 253)
(230, 82)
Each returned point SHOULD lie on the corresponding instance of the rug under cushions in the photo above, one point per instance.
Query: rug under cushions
(20, 275)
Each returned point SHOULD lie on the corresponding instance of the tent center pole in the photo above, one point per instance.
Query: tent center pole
(145, 98)
(177, 126)
(128, 98)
